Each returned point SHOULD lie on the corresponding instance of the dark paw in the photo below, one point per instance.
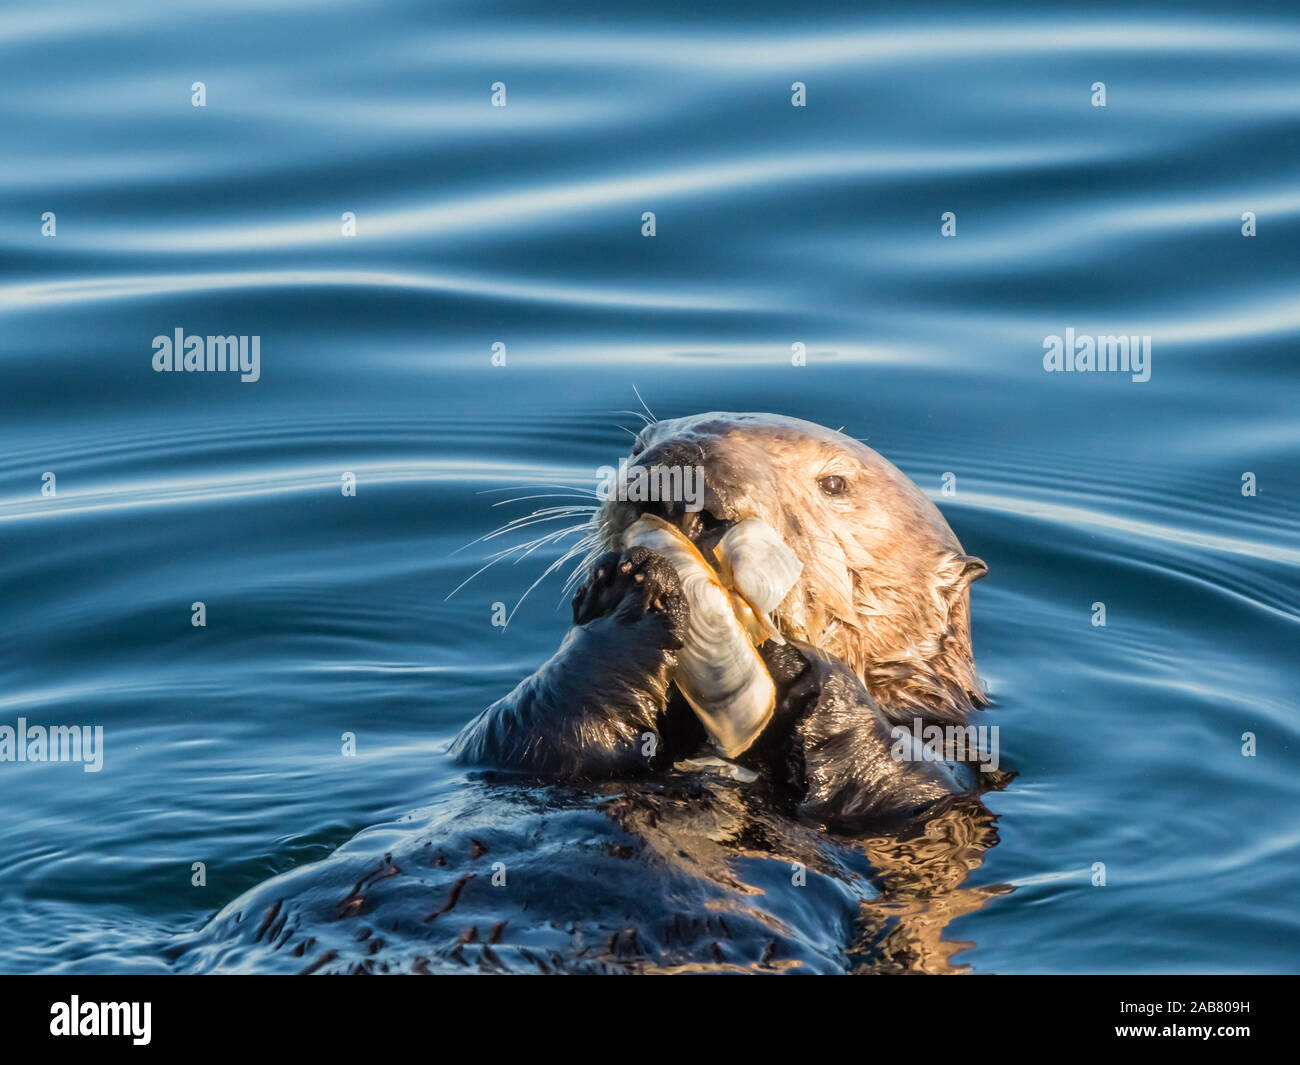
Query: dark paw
(794, 668)
(631, 586)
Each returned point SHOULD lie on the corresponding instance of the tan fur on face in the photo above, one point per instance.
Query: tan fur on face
(885, 584)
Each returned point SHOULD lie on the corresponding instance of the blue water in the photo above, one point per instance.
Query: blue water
(775, 226)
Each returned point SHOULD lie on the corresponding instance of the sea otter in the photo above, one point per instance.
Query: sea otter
(601, 851)
(875, 632)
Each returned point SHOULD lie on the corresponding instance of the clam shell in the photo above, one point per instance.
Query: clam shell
(760, 567)
(758, 563)
(718, 670)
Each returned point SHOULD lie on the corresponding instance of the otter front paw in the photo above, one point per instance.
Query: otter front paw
(837, 748)
(636, 586)
(586, 711)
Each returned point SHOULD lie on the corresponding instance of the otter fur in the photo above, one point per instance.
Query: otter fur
(605, 845)
(877, 629)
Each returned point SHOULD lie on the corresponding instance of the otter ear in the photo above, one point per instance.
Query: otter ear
(957, 572)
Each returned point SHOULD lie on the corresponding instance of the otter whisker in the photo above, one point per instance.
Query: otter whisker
(542, 541)
(595, 547)
(528, 546)
(542, 496)
(579, 502)
(653, 419)
(507, 552)
(570, 508)
(546, 573)
(585, 504)
(522, 523)
(542, 514)
(576, 488)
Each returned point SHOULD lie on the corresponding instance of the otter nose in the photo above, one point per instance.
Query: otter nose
(679, 453)
(681, 456)
(671, 455)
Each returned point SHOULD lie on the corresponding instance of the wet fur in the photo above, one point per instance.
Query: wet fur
(885, 586)
(673, 873)
(591, 709)
(878, 628)
(547, 868)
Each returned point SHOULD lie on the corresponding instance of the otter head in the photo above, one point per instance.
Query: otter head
(885, 584)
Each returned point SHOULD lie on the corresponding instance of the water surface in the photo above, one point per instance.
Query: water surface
(775, 226)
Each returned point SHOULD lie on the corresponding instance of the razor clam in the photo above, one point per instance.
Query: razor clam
(718, 670)
(760, 567)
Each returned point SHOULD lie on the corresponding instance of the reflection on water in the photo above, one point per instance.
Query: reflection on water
(923, 882)
(776, 226)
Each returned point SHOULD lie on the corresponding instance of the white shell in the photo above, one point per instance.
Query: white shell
(718, 670)
(759, 565)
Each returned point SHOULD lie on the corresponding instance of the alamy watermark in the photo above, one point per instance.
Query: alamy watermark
(102, 1018)
(1082, 354)
(213, 354)
(57, 743)
(652, 484)
(942, 743)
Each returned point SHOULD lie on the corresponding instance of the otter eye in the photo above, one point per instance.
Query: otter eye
(834, 485)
